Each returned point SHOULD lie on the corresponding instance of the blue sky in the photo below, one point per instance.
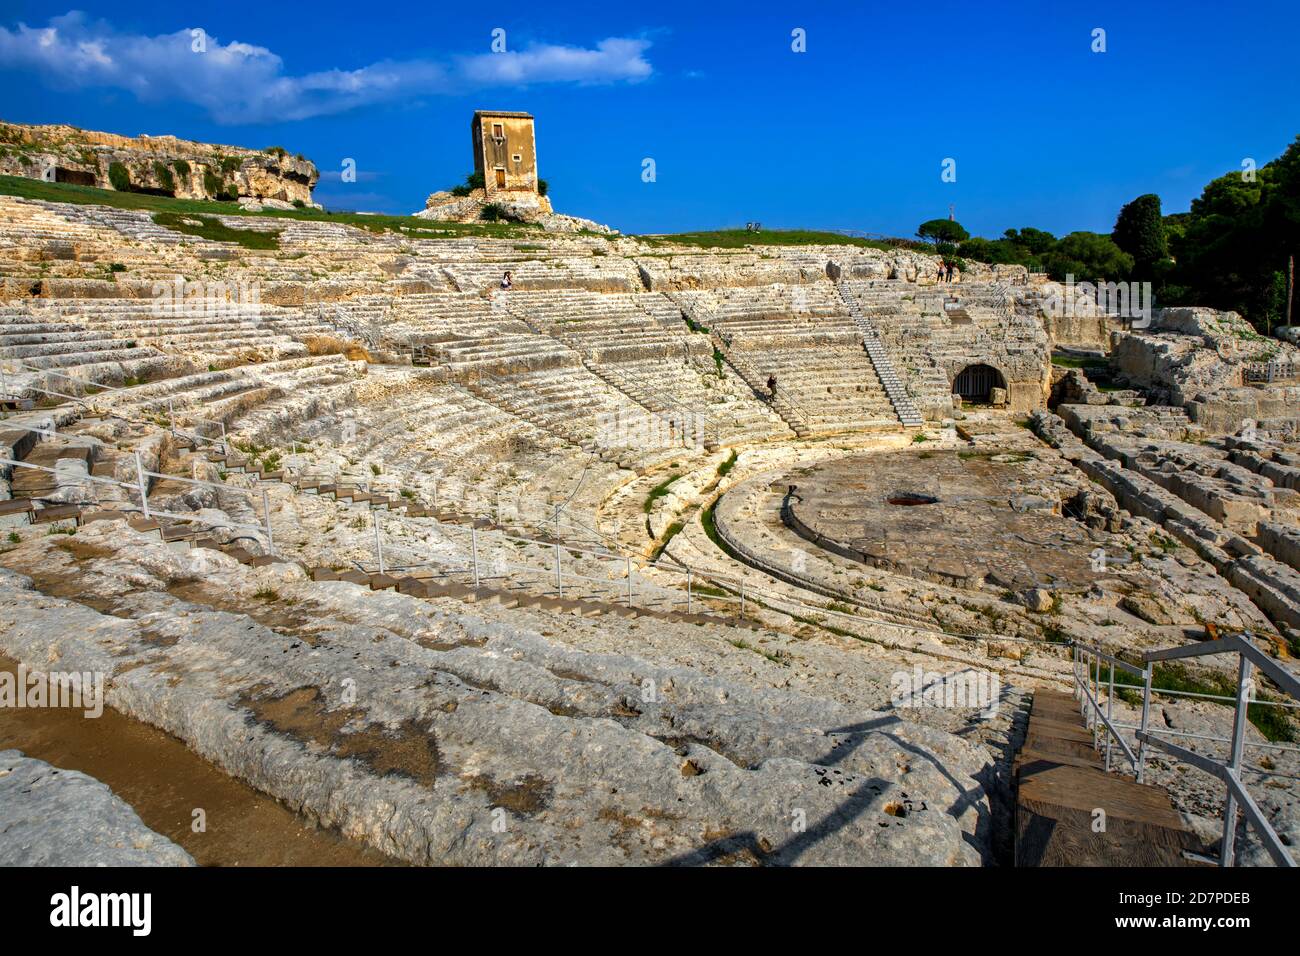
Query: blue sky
(850, 134)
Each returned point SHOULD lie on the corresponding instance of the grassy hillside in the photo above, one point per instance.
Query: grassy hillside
(167, 211)
(407, 225)
(739, 238)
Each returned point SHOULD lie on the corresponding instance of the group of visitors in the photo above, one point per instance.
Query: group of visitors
(945, 272)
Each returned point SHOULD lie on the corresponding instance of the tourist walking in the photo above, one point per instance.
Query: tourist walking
(771, 388)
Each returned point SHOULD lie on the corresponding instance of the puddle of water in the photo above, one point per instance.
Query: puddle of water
(164, 782)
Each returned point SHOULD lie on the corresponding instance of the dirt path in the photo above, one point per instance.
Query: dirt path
(164, 782)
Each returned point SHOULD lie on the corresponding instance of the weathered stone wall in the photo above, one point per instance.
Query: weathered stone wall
(160, 164)
(1271, 584)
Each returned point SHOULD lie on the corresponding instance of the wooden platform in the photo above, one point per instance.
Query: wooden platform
(1071, 812)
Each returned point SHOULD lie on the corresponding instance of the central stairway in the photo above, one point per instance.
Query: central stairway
(1071, 812)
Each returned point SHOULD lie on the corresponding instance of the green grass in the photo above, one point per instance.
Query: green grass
(671, 533)
(739, 238)
(724, 469)
(658, 491)
(1272, 722)
(216, 231)
(708, 590)
(406, 225)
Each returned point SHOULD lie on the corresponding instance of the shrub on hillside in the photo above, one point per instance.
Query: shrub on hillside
(472, 182)
(164, 176)
(118, 177)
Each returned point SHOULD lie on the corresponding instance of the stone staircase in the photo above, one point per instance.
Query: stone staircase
(790, 413)
(905, 408)
(1071, 812)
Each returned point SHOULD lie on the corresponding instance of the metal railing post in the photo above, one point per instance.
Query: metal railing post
(1110, 713)
(742, 594)
(559, 578)
(629, 582)
(473, 544)
(142, 485)
(266, 513)
(379, 544)
(1096, 693)
(1146, 719)
(1228, 850)
(688, 590)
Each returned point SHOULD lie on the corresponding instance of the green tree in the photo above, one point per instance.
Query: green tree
(942, 230)
(1237, 238)
(1088, 256)
(1035, 241)
(1140, 232)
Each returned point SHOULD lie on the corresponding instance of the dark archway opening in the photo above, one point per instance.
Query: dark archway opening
(975, 383)
(75, 176)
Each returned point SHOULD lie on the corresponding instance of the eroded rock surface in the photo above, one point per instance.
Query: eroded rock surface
(54, 817)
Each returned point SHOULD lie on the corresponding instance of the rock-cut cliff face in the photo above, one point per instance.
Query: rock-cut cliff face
(162, 165)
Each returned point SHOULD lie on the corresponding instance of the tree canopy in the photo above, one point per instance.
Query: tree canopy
(942, 230)
(1140, 232)
(1229, 251)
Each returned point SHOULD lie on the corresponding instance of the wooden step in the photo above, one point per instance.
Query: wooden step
(1059, 730)
(1055, 709)
(1048, 744)
(1034, 761)
(1055, 813)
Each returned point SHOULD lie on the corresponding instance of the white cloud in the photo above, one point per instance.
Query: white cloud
(242, 83)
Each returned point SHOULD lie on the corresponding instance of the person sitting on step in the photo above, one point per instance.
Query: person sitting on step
(506, 281)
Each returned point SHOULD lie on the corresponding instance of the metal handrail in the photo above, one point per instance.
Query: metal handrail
(23, 366)
(1088, 684)
(81, 400)
(140, 487)
(1096, 719)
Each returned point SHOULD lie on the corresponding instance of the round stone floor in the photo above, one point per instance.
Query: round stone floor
(943, 516)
